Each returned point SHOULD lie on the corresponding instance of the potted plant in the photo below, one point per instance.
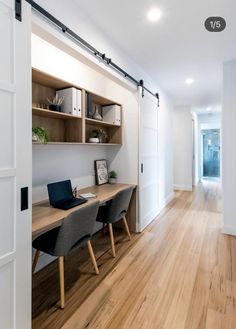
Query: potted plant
(112, 177)
(55, 104)
(39, 134)
(98, 136)
(94, 137)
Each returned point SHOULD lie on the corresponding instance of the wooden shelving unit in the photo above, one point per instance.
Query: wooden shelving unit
(67, 129)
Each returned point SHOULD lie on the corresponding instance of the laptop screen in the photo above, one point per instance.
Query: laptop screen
(59, 191)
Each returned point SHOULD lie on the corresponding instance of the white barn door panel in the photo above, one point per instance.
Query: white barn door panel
(148, 159)
(15, 167)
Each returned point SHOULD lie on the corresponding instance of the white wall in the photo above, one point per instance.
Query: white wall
(228, 147)
(183, 148)
(210, 121)
(196, 150)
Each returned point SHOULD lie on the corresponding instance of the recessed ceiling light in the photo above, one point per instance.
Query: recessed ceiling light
(209, 109)
(154, 15)
(189, 81)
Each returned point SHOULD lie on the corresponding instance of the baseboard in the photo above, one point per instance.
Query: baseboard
(167, 200)
(183, 187)
(229, 230)
(196, 182)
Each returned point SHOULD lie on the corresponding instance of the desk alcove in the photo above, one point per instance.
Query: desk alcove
(46, 217)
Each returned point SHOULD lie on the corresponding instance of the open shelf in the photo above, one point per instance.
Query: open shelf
(100, 123)
(53, 114)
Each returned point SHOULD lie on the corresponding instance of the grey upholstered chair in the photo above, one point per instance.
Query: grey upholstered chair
(115, 210)
(75, 230)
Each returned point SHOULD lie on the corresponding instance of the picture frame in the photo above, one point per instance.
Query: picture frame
(101, 172)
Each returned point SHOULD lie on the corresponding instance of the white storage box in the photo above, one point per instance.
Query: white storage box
(72, 101)
(112, 114)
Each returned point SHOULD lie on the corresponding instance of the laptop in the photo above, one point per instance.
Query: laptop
(61, 195)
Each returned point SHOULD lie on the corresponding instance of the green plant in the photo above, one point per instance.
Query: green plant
(99, 133)
(112, 174)
(41, 134)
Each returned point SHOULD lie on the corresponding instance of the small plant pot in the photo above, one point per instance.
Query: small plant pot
(34, 137)
(93, 140)
(112, 180)
(55, 108)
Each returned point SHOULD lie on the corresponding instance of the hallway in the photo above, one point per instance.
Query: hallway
(180, 273)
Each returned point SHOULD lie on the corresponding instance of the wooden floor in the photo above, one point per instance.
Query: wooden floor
(180, 273)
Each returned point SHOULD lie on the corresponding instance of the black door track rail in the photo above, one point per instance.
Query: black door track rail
(85, 45)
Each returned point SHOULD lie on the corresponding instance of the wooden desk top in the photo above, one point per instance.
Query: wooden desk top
(45, 217)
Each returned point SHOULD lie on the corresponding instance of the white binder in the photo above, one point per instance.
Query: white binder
(112, 114)
(72, 101)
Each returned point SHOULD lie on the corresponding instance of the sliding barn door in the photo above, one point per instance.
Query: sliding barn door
(15, 167)
(148, 159)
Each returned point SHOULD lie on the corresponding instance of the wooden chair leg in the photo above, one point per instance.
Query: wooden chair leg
(126, 227)
(62, 283)
(36, 258)
(92, 256)
(112, 240)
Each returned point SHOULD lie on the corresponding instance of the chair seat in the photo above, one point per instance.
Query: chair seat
(103, 215)
(47, 241)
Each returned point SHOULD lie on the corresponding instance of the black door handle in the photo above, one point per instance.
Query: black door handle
(24, 198)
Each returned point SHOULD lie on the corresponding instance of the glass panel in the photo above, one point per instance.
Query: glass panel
(211, 153)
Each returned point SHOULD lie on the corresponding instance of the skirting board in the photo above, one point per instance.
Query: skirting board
(167, 200)
(183, 187)
(229, 230)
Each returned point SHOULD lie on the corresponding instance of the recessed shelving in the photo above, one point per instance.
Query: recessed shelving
(67, 129)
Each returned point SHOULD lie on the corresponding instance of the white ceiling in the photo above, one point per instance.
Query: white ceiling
(176, 47)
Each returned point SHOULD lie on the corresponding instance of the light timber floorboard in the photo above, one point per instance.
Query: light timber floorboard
(180, 273)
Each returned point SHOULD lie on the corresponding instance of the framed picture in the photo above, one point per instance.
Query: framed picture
(101, 172)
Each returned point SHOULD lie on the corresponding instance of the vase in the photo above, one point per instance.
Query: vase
(55, 108)
(97, 115)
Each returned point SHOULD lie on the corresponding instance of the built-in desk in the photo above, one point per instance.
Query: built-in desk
(46, 217)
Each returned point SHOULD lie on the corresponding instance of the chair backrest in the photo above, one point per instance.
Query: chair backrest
(119, 205)
(77, 226)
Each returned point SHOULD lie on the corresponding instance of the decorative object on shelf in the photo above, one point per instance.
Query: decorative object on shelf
(55, 104)
(101, 173)
(39, 134)
(112, 177)
(100, 135)
(97, 115)
(94, 140)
